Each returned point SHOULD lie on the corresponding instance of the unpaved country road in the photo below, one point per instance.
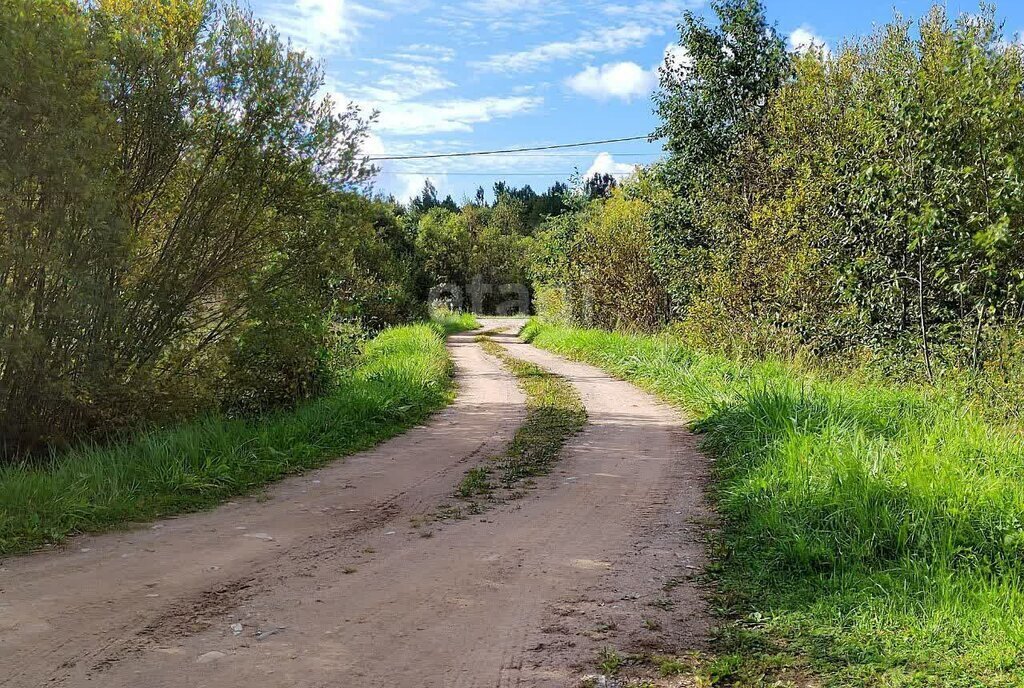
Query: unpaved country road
(341, 578)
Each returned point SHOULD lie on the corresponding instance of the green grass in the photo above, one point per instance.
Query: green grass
(874, 534)
(554, 413)
(403, 376)
(451, 322)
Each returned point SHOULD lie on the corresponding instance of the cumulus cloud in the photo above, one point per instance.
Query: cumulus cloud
(604, 163)
(321, 26)
(677, 56)
(624, 80)
(411, 184)
(404, 184)
(803, 39)
(457, 115)
(627, 80)
(607, 40)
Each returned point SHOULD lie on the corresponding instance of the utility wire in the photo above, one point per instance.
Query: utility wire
(582, 154)
(506, 150)
(494, 174)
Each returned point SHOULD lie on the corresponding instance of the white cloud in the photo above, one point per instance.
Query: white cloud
(411, 184)
(321, 26)
(404, 185)
(502, 7)
(502, 17)
(425, 52)
(397, 91)
(677, 55)
(411, 118)
(608, 40)
(803, 39)
(656, 10)
(625, 80)
(402, 81)
(604, 163)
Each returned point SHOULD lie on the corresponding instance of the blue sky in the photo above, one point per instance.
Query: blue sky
(463, 75)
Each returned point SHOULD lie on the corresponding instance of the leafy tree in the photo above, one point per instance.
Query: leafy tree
(188, 154)
(595, 262)
(599, 185)
(712, 103)
(444, 246)
(426, 201)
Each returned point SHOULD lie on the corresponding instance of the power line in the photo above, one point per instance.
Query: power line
(582, 154)
(493, 174)
(506, 150)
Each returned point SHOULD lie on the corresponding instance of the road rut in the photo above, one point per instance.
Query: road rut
(342, 578)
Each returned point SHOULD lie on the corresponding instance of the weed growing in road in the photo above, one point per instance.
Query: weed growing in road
(404, 375)
(609, 661)
(874, 533)
(475, 483)
(554, 413)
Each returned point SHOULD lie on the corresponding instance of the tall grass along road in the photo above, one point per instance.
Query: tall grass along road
(404, 375)
(874, 532)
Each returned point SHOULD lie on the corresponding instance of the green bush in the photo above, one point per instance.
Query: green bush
(403, 375)
(180, 225)
(594, 263)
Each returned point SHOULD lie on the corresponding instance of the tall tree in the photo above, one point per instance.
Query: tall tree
(715, 89)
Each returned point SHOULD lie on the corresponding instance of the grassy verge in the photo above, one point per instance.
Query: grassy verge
(451, 322)
(874, 534)
(554, 413)
(404, 375)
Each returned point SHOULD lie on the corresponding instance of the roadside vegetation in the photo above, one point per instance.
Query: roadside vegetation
(856, 205)
(183, 231)
(400, 377)
(873, 530)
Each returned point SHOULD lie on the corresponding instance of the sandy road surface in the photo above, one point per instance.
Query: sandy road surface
(341, 579)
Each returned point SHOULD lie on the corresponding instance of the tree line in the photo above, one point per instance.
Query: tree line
(188, 226)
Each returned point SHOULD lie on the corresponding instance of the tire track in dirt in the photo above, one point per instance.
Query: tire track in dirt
(522, 595)
(73, 612)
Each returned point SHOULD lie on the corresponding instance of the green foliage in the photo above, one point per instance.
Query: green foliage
(931, 181)
(402, 376)
(872, 527)
(858, 205)
(714, 93)
(445, 246)
(595, 262)
(180, 227)
(453, 321)
(480, 244)
(609, 661)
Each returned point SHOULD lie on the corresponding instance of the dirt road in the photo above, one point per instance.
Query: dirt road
(341, 577)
